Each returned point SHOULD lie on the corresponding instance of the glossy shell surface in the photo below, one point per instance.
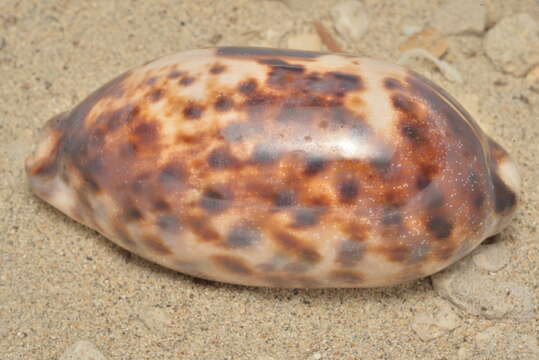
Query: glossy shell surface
(278, 168)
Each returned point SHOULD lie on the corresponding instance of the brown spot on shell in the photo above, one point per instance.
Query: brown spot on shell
(350, 252)
(440, 227)
(193, 111)
(348, 190)
(243, 235)
(168, 222)
(216, 198)
(314, 165)
(221, 158)
(156, 95)
(175, 74)
(232, 264)
(393, 84)
(306, 216)
(154, 243)
(223, 103)
(187, 80)
(217, 68)
(200, 226)
(171, 175)
(284, 198)
(132, 213)
(123, 115)
(147, 132)
(248, 87)
(296, 247)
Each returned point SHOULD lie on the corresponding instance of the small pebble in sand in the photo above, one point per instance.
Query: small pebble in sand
(82, 350)
(429, 326)
(510, 44)
(350, 19)
(304, 41)
(481, 294)
(492, 257)
(460, 17)
(155, 319)
(429, 39)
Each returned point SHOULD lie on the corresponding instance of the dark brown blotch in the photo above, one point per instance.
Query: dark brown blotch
(314, 166)
(426, 173)
(393, 84)
(350, 252)
(440, 227)
(90, 172)
(156, 95)
(151, 80)
(161, 205)
(216, 198)
(132, 213)
(175, 74)
(297, 247)
(154, 243)
(413, 132)
(217, 68)
(284, 198)
(168, 222)
(348, 190)
(171, 175)
(223, 103)
(283, 75)
(187, 80)
(202, 228)
(306, 216)
(193, 111)
(221, 158)
(123, 115)
(248, 87)
(147, 132)
(232, 264)
(243, 235)
(403, 103)
(335, 84)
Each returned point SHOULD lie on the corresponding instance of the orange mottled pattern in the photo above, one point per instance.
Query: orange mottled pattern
(282, 168)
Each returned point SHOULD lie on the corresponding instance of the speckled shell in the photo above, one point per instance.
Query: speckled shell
(281, 168)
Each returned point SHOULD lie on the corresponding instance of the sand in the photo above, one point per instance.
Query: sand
(62, 284)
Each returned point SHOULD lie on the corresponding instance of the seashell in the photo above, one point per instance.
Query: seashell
(278, 168)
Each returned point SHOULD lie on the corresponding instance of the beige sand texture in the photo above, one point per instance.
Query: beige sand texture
(68, 293)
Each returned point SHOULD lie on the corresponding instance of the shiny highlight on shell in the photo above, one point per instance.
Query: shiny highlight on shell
(278, 168)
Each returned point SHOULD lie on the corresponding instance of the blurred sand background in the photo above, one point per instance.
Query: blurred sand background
(68, 293)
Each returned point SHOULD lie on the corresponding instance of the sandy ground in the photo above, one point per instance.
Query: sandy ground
(61, 283)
